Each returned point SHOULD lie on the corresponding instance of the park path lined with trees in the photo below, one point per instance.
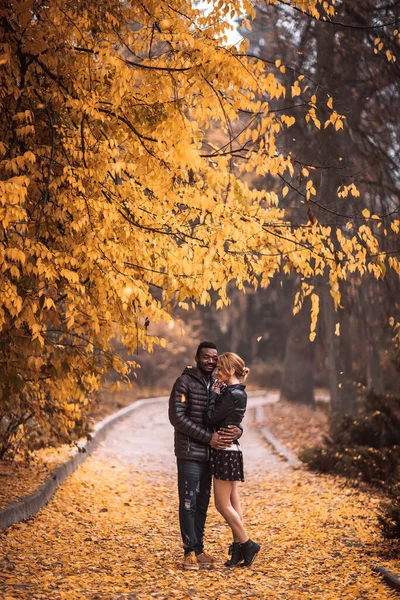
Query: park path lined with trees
(150, 170)
(111, 532)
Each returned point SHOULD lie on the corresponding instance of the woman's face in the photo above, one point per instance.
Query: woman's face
(221, 375)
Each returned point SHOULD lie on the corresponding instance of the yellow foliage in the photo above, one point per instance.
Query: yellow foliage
(314, 312)
(108, 184)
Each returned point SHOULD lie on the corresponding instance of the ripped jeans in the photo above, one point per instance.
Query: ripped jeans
(194, 487)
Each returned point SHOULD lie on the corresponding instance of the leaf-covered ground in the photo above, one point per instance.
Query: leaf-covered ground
(296, 425)
(112, 533)
(19, 478)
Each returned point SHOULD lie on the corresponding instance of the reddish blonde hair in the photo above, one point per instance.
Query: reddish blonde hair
(230, 361)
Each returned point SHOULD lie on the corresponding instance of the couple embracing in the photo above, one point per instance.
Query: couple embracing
(206, 408)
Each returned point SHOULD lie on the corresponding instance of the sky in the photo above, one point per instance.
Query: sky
(233, 36)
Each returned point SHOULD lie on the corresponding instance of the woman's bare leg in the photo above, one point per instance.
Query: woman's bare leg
(236, 503)
(235, 499)
(222, 496)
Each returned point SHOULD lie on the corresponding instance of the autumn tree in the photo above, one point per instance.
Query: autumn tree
(114, 207)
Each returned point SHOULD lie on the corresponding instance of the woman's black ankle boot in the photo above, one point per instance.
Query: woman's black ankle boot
(235, 549)
(249, 550)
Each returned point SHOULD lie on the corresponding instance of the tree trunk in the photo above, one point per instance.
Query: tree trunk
(297, 377)
(339, 355)
(373, 331)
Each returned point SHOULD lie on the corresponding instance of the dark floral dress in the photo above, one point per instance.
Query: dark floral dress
(227, 464)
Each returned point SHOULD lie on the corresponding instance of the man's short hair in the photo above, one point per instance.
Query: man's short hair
(205, 345)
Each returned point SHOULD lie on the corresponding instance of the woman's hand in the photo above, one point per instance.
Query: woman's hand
(218, 386)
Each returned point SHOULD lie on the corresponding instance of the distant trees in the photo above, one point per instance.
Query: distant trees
(350, 62)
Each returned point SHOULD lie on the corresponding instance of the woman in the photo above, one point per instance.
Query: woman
(225, 409)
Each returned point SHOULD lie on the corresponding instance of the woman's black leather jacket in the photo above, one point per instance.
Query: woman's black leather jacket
(227, 408)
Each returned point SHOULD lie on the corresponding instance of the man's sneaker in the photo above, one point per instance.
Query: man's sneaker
(190, 562)
(205, 561)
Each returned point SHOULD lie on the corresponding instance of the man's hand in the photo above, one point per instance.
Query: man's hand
(229, 434)
(218, 443)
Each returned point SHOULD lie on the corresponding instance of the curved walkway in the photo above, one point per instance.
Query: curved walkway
(144, 441)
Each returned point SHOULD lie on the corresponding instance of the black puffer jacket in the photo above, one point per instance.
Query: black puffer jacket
(187, 408)
(228, 408)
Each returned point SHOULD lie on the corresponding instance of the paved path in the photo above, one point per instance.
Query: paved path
(144, 441)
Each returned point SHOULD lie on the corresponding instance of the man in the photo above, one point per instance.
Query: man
(187, 405)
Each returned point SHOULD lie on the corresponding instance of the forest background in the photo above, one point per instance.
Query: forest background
(161, 186)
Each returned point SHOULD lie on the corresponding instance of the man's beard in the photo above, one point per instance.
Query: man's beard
(206, 371)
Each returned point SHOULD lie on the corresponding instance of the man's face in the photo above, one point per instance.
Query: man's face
(206, 360)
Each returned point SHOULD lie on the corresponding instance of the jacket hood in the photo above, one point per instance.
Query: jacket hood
(189, 370)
